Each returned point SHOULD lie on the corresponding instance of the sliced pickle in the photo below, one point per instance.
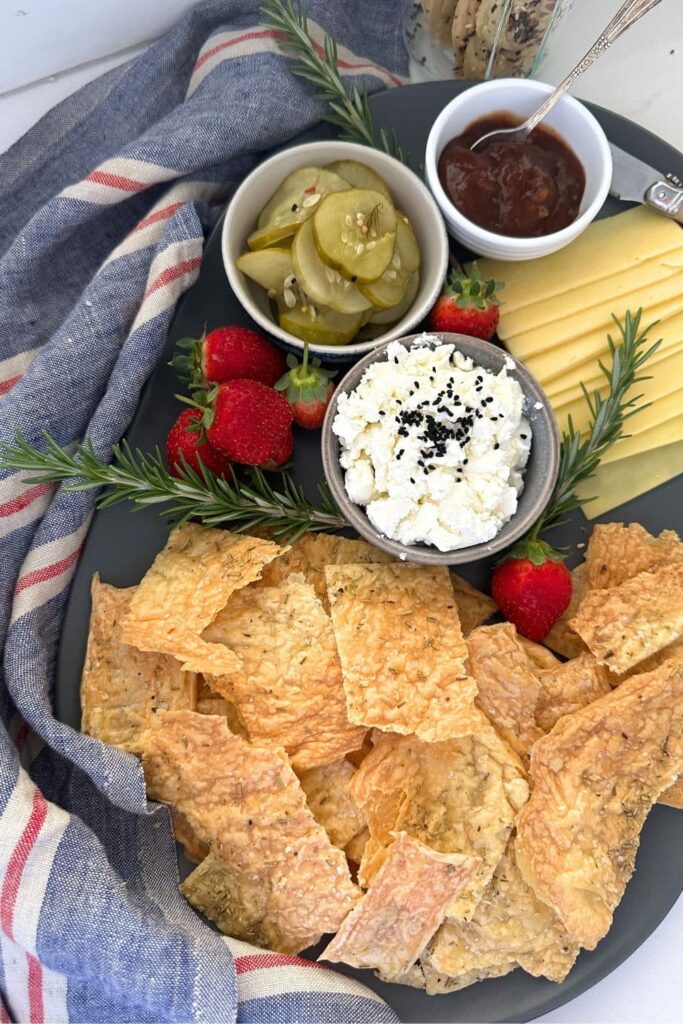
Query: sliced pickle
(389, 289)
(268, 267)
(327, 327)
(298, 196)
(338, 223)
(279, 234)
(397, 312)
(325, 285)
(359, 175)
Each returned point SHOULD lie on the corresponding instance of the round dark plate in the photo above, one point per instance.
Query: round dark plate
(121, 547)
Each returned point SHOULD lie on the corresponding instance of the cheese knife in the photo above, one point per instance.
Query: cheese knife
(638, 182)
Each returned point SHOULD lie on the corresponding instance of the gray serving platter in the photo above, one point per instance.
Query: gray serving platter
(121, 547)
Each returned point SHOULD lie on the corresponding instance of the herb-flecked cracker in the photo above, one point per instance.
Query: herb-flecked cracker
(333, 807)
(312, 552)
(404, 905)
(189, 581)
(456, 796)
(626, 624)
(122, 688)
(617, 552)
(401, 648)
(272, 876)
(508, 688)
(474, 608)
(595, 777)
(510, 928)
(288, 687)
(568, 687)
(562, 638)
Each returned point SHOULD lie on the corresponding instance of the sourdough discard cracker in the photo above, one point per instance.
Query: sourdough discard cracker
(401, 648)
(540, 658)
(617, 552)
(404, 905)
(194, 849)
(594, 779)
(626, 624)
(288, 687)
(569, 687)
(272, 876)
(562, 638)
(187, 584)
(311, 553)
(122, 688)
(330, 801)
(474, 608)
(508, 689)
(511, 928)
(456, 796)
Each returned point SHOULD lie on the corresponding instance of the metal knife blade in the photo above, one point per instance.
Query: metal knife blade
(638, 182)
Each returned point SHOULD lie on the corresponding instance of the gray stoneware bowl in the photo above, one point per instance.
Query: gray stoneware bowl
(539, 476)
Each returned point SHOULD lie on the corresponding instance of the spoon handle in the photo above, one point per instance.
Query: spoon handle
(627, 15)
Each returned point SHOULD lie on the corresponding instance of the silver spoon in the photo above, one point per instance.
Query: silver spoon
(627, 15)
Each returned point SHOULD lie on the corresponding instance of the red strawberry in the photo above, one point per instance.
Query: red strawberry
(467, 305)
(283, 452)
(188, 438)
(308, 390)
(532, 588)
(228, 353)
(247, 421)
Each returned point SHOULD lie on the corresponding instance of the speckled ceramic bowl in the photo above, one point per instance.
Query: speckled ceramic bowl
(539, 476)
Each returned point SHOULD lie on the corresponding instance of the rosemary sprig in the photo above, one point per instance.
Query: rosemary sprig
(350, 111)
(580, 454)
(143, 478)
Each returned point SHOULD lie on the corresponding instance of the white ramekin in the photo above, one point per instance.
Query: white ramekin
(569, 118)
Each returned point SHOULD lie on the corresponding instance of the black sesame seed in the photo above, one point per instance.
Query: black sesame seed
(523, 437)
(382, 412)
(496, 445)
(412, 480)
(465, 461)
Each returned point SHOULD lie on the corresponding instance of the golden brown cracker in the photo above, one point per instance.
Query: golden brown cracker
(355, 847)
(562, 638)
(122, 688)
(474, 608)
(401, 648)
(617, 552)
(673, 796)
(189, 581)
(312, 552)
(594, 779)
(331, 803)
(195, 850)
(404, 905)
(457, 796)
(568, 687)
(508, 689)
(540, 658)
(626, 624)
(510, 928)
(288, 689)
(272, 876)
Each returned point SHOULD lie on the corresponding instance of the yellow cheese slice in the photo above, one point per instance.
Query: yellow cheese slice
(604, 249)
(589, 372)
(555, 361)
(624, 286)
(615, 483)
(665, 407)
(655, 437)
(663, 298)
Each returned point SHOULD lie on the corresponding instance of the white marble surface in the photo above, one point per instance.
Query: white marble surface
(641, 78)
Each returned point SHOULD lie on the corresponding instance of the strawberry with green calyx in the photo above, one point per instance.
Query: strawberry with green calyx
(467, 305)
(308, 390)
(227, 353)
(532, 587)
(245, 421)
(186, 444)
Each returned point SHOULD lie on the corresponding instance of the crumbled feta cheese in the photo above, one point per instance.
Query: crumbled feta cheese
(434, 446)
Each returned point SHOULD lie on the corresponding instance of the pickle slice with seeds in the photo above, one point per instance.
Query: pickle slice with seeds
(268, 267)
(262, 238)
(326, 327)
(397, 312)
(359, 175)
(355, 232)
(324, 284)
(298, 196)
(389, 289)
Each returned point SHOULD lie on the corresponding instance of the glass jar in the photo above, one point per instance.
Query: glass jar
(479, 39)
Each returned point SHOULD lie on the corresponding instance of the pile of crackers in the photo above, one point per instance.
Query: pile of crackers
(473, 29)
(350, 746)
